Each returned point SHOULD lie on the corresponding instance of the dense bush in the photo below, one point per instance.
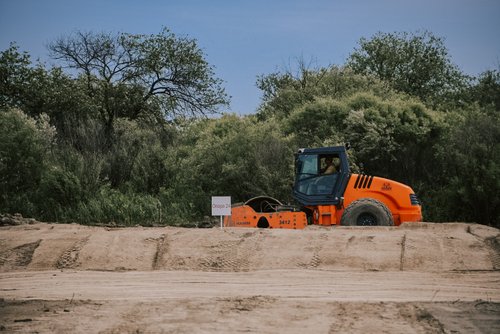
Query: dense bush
(233, 156)
(468, 156)
(24, 150)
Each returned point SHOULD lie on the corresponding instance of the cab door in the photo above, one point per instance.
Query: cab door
(315, 183)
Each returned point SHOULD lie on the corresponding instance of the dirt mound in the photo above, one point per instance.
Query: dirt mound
(411, 247)
(416, 278)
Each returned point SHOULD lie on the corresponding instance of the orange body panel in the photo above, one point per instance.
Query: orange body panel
(246, 216)
(395, 195)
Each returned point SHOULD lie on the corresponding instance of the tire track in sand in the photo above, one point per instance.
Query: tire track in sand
(234, 254)
(69, 258)
(20, 256)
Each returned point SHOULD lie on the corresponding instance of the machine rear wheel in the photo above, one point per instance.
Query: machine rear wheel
(367, 212)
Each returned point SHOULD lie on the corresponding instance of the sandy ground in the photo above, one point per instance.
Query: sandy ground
(417, 278)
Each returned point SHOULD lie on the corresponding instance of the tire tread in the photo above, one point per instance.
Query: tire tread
(349, 212)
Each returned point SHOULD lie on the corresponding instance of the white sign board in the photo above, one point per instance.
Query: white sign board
(221, 205)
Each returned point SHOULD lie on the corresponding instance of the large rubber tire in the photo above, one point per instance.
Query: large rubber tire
(367, 212)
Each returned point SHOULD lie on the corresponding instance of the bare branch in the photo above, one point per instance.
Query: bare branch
(170, 69)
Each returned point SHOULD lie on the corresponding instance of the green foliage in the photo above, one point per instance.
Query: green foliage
(23, 155)
(318, 123)
(232, 156)
(487, 90)
(393, 138)
(284, 92)
(417, 64)
(129, 140)
(58, 190)
(15, 75)
(109, 206)
(130, 75)
(469, 157)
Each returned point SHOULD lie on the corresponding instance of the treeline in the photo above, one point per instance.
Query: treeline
(120, 133)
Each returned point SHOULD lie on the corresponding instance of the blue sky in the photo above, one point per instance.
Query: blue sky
(243, 39)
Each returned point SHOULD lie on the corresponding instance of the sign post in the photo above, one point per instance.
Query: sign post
(221, 206)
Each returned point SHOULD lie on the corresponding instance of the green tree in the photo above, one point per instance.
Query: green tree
(138, 159)
(235, 156)
(468, 157)
(417, 64)
(155, 76)
(318, 123)
(15, 75)
(393, 138)
(285, 91)
(37, 91)
(487, 90)
(24, 150)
